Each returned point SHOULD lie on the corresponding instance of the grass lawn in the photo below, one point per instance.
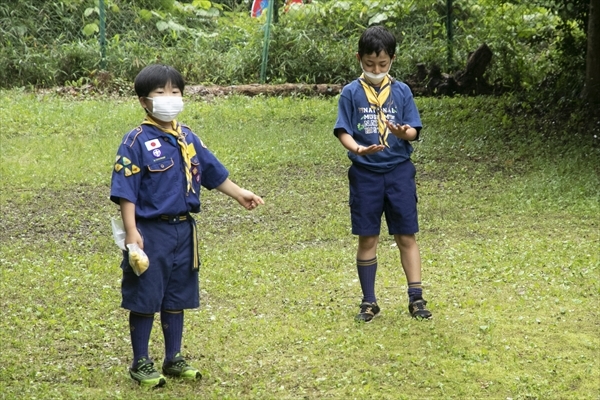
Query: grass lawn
(509, 241)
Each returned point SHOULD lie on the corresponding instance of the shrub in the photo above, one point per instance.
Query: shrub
(54, 42)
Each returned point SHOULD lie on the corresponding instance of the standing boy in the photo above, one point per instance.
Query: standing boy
(156, 179)
(377, 118)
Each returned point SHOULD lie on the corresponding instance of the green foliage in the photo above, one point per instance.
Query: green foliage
(571, 45)
(217, 42)
(521, 37)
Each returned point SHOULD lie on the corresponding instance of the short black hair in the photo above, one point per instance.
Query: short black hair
(376, 39)
(156, 76)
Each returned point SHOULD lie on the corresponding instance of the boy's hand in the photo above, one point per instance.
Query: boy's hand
(134, 237)
(245, 197)
(405, 132)
(374, 148)
(249, 200)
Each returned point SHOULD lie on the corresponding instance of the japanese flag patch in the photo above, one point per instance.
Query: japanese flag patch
(152, 144)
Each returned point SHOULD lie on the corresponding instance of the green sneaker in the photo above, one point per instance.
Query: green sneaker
(177, 367)
(146, 375)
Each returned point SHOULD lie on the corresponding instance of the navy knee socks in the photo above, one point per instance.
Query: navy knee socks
(172, 327)
(140, 326)
(367, 270)
(415, 291)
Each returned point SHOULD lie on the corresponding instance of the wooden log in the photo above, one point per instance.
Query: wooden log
(286, 89)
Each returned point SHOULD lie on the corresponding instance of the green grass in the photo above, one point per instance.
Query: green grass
(509, 239)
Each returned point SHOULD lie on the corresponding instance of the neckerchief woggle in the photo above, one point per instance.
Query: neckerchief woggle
(376, 101)
(175, 131)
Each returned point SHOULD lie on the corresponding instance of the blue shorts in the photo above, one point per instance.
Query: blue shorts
(393, 193)
(170, 282)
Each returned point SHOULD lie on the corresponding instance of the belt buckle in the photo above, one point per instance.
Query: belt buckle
(174, 219)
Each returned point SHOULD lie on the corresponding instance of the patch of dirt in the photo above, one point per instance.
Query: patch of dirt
(73, 215)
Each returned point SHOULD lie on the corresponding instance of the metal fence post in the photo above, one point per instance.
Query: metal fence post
(449, 30)
(265, 54)
(102, 34)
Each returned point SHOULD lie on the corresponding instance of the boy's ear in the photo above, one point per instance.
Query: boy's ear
(144, 103)
(358, 56)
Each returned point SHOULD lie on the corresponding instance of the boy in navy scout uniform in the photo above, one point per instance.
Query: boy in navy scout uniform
(159, 168)
(377, 118)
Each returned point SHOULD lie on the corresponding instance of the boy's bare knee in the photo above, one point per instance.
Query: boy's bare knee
(405, 241)
(368, 242)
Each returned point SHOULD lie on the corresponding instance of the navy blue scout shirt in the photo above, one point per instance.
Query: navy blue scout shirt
(149, 172)
(359, 120)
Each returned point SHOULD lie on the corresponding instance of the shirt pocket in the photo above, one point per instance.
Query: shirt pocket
(161, 166)
(164, 181)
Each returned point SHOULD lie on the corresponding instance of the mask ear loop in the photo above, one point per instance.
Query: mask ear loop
(148, 112)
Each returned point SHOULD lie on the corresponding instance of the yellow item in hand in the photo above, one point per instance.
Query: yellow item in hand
(138, 260)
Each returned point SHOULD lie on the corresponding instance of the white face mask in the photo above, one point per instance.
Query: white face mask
(375, 78)
(166, 108)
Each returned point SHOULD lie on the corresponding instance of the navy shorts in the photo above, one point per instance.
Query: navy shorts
(392, 193)
(170, 282)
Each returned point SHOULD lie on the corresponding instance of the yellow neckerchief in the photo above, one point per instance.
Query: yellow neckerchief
(176, 131)
(377, 101)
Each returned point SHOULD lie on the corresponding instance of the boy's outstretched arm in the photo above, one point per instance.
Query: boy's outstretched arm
(245, 197)
(350, 144)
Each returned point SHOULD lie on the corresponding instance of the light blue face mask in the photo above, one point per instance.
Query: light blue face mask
(375, 78)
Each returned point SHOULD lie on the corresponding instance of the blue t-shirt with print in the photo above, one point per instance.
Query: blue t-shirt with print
(359, 120)
(149, 171)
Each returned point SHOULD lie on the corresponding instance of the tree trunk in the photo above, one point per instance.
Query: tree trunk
(591, 89)
(471, 81)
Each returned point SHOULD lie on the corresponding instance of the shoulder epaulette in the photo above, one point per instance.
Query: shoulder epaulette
(186, 130)
(131, 137)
